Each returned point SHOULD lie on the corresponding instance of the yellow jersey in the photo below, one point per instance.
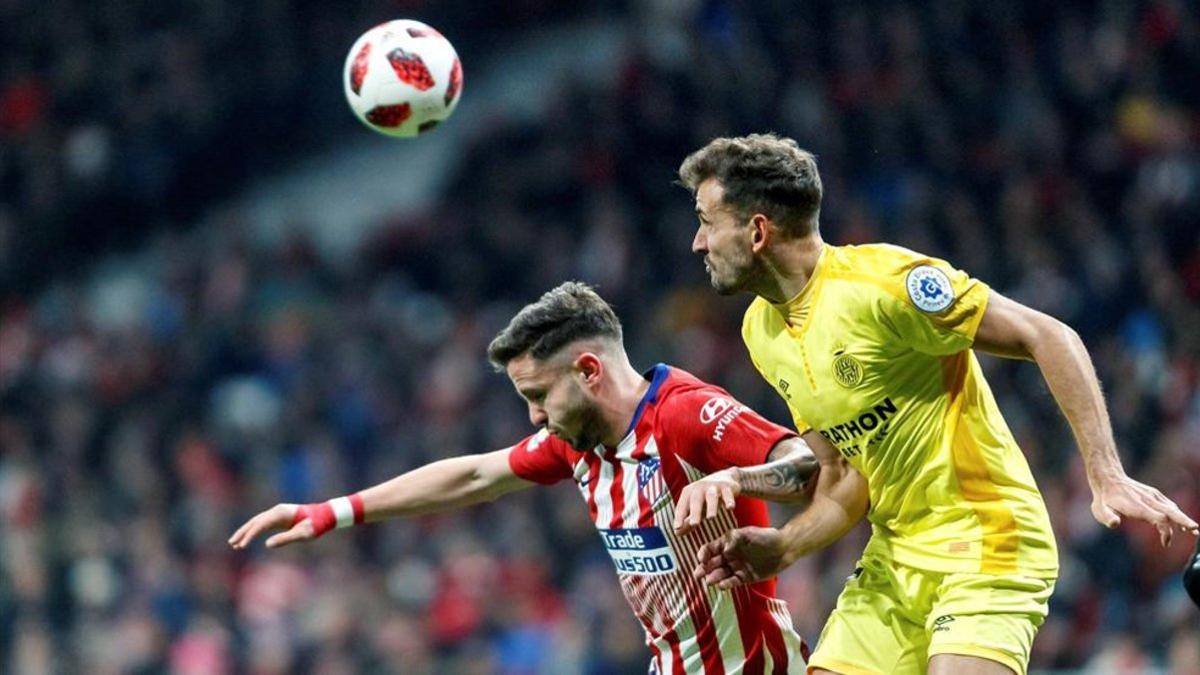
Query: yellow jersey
(875, 354)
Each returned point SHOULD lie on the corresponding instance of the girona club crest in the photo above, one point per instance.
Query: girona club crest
(847, 370)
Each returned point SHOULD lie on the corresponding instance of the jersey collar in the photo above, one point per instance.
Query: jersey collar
(793, 308)
(657, 375)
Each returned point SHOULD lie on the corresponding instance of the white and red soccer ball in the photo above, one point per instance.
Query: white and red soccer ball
(402, 78)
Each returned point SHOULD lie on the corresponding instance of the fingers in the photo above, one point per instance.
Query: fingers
(1165, 533)
(709, 551)
(1143, 502)
(701, 501)
(1105, 515)
(712, 497)
(709, 558)
(275, 517)
(1159, 509)
(251, 529)
(740, 577)
(688, 510)
(726, 562)
(723, 572)
(1176, 515)
(302, 531)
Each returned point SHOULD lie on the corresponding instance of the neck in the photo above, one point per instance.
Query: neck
(628, 389)
(788, 267)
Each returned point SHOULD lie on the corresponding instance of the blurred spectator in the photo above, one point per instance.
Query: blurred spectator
(145, 411)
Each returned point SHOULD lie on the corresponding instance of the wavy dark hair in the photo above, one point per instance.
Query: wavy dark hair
(570, 312)
(761, 173)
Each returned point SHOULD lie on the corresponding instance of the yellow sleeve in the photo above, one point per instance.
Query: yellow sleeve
(937, 309)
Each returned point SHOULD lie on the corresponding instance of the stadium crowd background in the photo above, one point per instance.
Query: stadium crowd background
(1052, 151)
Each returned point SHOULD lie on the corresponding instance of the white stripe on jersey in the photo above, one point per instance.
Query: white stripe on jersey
(629, 487)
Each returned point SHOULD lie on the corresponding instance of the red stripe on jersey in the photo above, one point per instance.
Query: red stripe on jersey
(670, 635)
(774, 640)
(657, 656)
(657, 595)
(706, 632)
(593, 479)
(752, 640)
(617, 490)
(701, 612)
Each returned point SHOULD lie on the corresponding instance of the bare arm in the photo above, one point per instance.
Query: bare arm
(786, 477)
(443, 485)
(439, 486)
(1012, 330)
(751, 554)
(839, 502)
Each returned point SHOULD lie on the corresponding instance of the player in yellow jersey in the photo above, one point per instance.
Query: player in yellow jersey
(873, 348)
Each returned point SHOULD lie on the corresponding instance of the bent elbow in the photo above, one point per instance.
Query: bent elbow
(1050, 336)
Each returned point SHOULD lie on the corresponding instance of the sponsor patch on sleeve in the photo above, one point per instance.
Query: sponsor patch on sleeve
(929, 288)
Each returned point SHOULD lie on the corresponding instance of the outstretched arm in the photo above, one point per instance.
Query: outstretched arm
(440, 486)
(751, 554)
(1012, 330)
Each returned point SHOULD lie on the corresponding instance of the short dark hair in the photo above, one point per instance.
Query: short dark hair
(761, 173)
(570, 312)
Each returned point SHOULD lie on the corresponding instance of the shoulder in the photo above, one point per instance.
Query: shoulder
(544, 446)
(889, 272)
(880, 264)
(758, 319)
(684, 397)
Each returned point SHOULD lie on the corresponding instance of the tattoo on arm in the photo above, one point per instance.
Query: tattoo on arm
(785, 479)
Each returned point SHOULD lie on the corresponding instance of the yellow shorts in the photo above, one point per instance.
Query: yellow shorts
(891, 618)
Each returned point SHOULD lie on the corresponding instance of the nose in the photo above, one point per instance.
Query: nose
(537, 415)
(700, 242)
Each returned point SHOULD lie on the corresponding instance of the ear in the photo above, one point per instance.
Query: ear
(589, 368)
(761, 229)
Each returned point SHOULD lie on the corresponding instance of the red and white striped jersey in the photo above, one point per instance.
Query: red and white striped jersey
(683, 430)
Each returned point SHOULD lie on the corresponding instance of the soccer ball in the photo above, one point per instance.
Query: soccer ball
(402, 78)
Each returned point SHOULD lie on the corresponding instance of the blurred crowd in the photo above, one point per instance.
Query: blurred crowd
(147, 409)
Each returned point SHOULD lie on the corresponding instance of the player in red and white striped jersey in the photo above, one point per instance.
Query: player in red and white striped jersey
(635, 445)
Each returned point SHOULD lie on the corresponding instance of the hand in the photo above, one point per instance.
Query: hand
(743, 556)
(703, 499)
(278, 517)
(1124, 497)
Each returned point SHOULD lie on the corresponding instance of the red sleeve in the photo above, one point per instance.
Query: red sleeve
(712, 430)
(541, 458)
